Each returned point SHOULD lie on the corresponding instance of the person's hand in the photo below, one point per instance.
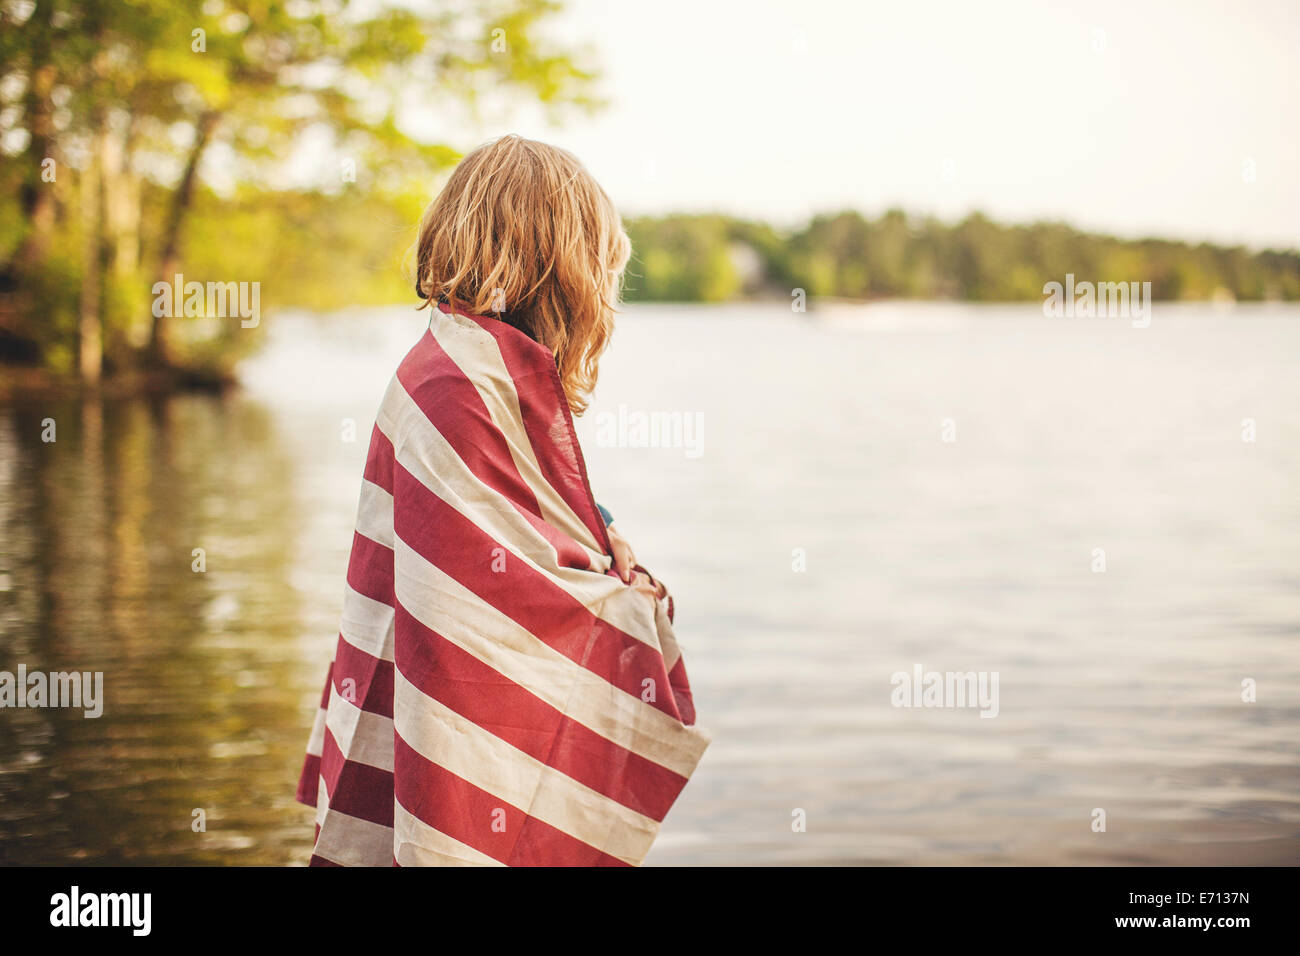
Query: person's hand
(625, 567)
(643, 583)
(624, 559)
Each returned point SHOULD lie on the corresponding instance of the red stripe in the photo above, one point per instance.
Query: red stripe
(445, 537)
(309, 778)
(467, 813)
(373, 678)
(329, 681)
(370, 569)
(309, 781)
(682, 691)
(547, 419)
(449, 674)
(379, 460)
(451, 402)
(454, 407)
(357, 789)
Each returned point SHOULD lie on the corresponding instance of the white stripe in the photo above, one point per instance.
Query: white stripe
(667, 638)
(362, 737)
(316, 742)
(434, 463)
(415, 843)
(367, 624)
(322, 800)
(445, 606)
(437, 465)
(459, 745)
(375, 513)
(477, 354)
(351, 841)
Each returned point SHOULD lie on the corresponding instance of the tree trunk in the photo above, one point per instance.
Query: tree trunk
(126, 328)
(19, 275)
(37, 195)
(90, 327)
(122, 207)
(169, 260)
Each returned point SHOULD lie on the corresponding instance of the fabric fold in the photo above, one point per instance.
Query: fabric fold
(497, 695)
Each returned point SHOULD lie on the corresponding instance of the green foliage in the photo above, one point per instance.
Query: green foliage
(681, 258)
(307, 249)
(847, 255)
(137, 101)
(324, 251)
(125, 97)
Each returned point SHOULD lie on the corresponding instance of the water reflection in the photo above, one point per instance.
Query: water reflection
(100, 527)
(1119, 690)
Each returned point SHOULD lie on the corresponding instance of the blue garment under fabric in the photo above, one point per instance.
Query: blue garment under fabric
(605, 515)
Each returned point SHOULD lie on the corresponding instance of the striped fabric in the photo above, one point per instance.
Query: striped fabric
(496, 697)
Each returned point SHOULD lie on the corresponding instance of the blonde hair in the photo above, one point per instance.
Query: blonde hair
(522, 231)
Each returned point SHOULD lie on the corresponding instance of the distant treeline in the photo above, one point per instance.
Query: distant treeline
(113, 116)
(709, 258)
(326, 252)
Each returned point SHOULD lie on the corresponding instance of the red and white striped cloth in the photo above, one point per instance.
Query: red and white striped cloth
(496, 697)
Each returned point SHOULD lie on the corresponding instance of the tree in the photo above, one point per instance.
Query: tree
(138, 94)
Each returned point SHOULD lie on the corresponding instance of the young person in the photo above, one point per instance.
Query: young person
(506, 687)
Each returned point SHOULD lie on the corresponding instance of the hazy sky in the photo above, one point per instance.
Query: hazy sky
(1170, 117)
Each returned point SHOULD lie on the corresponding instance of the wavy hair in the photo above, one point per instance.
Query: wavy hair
(523, 232)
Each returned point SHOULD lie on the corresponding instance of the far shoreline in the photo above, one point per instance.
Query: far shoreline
(25, 381)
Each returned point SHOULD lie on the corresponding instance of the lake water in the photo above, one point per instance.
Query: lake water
(825, 537)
